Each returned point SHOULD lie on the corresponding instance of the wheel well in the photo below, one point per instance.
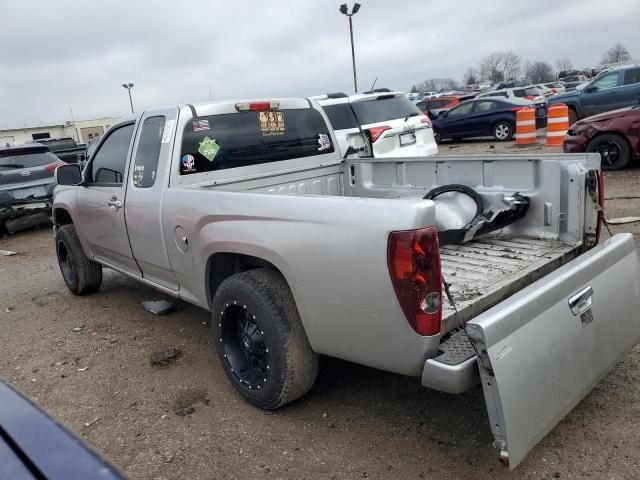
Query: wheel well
(617, 134)
(221, 266)
(61, 217)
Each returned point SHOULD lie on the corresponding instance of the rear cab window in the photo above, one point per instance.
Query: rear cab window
(26, 158)
(384, 108)
(232, 140)
(148, 152)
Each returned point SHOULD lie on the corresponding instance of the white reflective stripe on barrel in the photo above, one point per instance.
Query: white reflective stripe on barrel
(557, 134)
(558, 120)
(525, 122)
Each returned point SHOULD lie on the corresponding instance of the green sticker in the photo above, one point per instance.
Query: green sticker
(209, 148)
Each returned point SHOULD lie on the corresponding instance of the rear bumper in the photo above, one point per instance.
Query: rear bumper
(451, 378)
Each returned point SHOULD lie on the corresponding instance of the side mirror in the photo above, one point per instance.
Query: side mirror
(68, 174)
(589, 89)
(444, 113)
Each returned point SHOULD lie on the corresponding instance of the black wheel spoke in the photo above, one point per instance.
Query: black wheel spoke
(244, 345)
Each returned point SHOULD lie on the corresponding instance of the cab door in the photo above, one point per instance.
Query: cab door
(148, 178)
(101, 200)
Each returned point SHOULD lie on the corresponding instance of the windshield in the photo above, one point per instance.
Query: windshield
(219, 142)
(12, 159)
(384, 108)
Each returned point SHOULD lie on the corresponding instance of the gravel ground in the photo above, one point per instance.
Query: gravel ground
(86, 361)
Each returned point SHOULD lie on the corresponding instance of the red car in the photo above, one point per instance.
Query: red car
(615, 135)
(438, 103)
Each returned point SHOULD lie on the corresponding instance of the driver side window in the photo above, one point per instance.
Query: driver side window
(608, 80)
(109, 162)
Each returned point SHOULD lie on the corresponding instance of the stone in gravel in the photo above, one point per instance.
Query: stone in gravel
(165, 357)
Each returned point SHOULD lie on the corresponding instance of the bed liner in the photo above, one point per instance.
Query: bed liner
(485, 271)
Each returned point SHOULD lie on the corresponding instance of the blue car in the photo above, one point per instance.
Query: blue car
(483, 117)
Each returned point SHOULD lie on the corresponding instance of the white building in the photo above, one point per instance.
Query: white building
(80, 130)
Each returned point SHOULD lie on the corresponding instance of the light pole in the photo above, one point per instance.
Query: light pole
(129, 86)
(345, 10)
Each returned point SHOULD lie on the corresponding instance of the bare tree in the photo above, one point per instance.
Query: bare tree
(491, 68)
(616, 54)
(470, 76)
(538, 72)
(564, 64)
(511, 65)
(436, 85)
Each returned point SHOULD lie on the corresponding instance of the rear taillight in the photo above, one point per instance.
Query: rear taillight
(413, 258)
(53, 166)
(375, 132)
(258, 106)
(600, 177)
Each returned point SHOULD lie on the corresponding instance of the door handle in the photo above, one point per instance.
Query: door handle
(581, 301)
(115, 204)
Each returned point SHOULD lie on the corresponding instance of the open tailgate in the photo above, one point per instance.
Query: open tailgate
(543, 349)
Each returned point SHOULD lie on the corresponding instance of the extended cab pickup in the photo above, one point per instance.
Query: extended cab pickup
(246, 209)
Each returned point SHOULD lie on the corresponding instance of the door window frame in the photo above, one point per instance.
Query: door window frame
(89, 167)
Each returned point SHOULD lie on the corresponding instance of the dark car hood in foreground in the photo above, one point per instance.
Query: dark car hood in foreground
(33, 445)
(613, 114)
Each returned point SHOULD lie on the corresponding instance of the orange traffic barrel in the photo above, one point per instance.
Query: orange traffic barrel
(557, 124)
(525, 126)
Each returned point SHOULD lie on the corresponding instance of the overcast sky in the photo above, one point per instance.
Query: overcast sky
(64, 54)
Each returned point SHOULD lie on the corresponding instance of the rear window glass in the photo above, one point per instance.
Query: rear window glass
(219, 142)
(341, 116)
(26, 158)
(384, 109)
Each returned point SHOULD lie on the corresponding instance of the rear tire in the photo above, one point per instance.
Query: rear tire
(503, 131)
(260, 340)
(81, 275)
(614, 150)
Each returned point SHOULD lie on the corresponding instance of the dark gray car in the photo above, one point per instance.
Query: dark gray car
(26, 185)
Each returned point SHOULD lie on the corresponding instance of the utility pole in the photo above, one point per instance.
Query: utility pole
(345, 11)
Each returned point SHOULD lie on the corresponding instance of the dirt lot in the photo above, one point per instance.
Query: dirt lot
(86, 360)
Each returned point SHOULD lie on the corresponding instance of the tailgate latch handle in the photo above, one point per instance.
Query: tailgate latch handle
(581, 301)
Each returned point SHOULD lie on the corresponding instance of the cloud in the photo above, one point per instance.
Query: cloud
(76, 54)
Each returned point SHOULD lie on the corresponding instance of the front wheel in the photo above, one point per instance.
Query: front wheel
(614, 150)
(503, 131)
(260, 340)
(81, 275)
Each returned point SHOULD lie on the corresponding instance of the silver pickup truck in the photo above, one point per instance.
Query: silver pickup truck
(247, 209)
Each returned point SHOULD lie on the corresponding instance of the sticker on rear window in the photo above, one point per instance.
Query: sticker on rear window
(200, 125)
(188, 163)
(208, 148)
(271, 123)
(323, 141)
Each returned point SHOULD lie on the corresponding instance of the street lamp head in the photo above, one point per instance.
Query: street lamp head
(356, 7)
(127, 85)
(131, 85)
(344, 9)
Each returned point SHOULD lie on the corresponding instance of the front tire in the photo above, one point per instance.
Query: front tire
(573, 116)
(614, 150)
(81, 275)
(260, 340)
(503, 131)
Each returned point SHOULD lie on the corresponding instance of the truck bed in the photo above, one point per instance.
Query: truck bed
(487, 270)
